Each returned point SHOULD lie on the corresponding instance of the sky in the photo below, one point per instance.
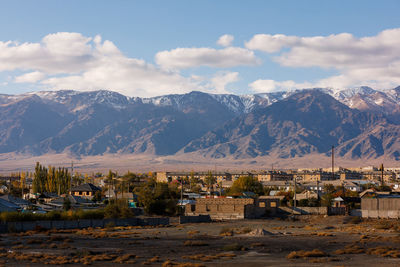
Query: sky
(150, 48)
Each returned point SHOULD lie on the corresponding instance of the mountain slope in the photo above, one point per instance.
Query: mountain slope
(360, 122)
(305, 122)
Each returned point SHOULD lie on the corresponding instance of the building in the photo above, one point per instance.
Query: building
(166, 177)
(378, 175)
(312, 176)
(308, 194)
(85, 190)
(275, 176)
(350, 175)
(232, 208)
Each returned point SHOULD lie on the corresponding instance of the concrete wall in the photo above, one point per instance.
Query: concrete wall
(80, 224)
(305, 210)
(380, 208)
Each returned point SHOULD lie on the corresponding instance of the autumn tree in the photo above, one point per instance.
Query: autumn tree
(246, 184)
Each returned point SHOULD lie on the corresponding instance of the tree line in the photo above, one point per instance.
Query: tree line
(51, 179)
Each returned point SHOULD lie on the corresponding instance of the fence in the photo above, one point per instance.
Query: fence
(80, 224)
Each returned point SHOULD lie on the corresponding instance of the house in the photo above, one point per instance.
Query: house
(22, 203)
(338, 202)
(232, 208)
(308, 194)
(8, 206)
(85, 190)
(3, 189)
(280, 185)
(76, 201)
(372, 193)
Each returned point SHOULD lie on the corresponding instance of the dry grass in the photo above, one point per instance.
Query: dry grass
(207, 258)
(125, 258)
(226, 231)
(170, 263)
(20, 247)
(324, 234)
(306, 254)
(193, 232)
(384, 251)
(350, 249)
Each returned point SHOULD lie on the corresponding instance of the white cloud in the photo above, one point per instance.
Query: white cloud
(182, 58)
(225, 40)
(222, 79)
(271, 43)
(372, 61)
(30, 77)
(268, 86)
(73, 61)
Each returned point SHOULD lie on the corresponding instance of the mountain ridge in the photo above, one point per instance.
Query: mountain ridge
(360, 122)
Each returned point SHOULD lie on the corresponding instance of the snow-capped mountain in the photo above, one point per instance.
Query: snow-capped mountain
(361, 122)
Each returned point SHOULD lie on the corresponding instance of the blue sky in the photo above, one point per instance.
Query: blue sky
(148, 48)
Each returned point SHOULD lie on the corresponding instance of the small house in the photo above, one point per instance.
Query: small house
(85, 190)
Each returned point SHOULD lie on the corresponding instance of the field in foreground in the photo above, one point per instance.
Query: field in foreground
(310, 241)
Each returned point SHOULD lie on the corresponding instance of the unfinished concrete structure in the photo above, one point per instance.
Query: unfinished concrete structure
(232, 208)
(381, 207)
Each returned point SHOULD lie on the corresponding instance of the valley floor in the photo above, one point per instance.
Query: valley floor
(12, 162)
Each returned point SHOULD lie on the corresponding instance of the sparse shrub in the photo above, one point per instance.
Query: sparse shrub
(118, 209)
(384, 225)
(193, 232)
(226, 231)
(306, 254)
(350, 249)
(244, 230)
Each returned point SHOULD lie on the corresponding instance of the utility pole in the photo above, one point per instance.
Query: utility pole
(382, 174)
(295, 198)
(181, 191)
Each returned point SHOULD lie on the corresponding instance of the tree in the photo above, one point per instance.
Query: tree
(98, 196)
(51, 180)
(194, 183)
(66, 204)
(326, 200)
(158, 198)
(210, 180)
(246, 184)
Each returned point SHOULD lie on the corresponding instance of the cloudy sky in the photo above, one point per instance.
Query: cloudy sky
(149, 48)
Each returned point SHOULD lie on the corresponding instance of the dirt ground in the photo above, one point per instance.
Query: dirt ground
(307, 241)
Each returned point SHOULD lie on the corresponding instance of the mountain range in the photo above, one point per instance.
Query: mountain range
(360, 122)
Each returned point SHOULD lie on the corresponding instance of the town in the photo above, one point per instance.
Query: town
(220, 195)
